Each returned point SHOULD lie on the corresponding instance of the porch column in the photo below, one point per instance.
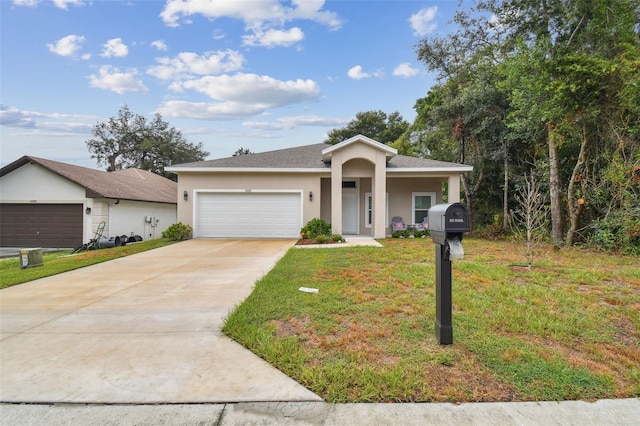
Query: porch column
(454, 189)
(336, 193)
(378, 193)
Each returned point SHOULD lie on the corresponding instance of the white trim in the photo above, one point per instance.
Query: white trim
(459, 169)
(452, 169)
(390, 152)
(196, 192)
(413, 203)
(366, 209)
(247, 170)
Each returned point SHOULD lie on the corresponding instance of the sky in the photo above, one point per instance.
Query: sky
(262, 75)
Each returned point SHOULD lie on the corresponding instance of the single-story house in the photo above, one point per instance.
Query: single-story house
(358, 186)
(46, 203)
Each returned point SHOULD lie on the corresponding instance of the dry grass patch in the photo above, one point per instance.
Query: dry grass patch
(569, 328)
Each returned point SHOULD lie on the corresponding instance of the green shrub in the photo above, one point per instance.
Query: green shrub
(401, 234)
(620, 231)
(321, 239)
(315, 227)
(177, 232)
(421, 233)
(337, 238)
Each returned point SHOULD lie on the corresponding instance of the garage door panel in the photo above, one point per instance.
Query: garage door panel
(249, 215)
(41, 225)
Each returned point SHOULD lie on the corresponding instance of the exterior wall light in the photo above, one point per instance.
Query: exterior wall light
(186, 195)
(88, 210)
(310, 196)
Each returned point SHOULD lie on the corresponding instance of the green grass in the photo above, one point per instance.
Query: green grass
(56, 263)
(567, 329)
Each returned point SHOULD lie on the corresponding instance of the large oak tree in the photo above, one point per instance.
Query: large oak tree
(130, 140)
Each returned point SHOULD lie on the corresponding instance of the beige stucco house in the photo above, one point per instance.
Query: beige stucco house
(357, 185)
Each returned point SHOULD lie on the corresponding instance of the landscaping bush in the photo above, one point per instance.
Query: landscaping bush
(401, 234)
(321, 239)
(315, 227)
(178, 232)
(337, 238)
(421, 234)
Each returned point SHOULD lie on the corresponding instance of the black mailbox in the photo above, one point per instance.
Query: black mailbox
(447, 225)
(448, 221)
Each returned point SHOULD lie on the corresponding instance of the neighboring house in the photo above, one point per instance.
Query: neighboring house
(357, 185)
(46, 203)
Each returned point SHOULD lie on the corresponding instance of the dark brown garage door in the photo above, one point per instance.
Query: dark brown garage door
(40, 225)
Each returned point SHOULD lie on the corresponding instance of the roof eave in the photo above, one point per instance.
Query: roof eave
(247, 170)
(460, 169)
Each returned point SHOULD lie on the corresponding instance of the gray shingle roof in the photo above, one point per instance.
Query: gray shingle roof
(308, 156)
(128, 184)
(305, 157)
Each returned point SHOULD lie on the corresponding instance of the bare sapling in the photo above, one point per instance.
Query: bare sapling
(529, 221)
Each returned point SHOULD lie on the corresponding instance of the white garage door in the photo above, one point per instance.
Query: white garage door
(248, 214)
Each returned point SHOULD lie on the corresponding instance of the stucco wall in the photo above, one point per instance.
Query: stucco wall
(140, 218)
(33, 183)
(400, 194)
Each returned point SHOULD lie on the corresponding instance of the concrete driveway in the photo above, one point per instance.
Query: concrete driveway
(141, 329)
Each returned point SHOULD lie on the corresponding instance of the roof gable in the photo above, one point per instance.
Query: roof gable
(328, 152)
(128, 184)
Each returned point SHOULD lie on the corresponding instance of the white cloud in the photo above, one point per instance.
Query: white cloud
(239, 96)
(66, 46)
(159, 44)
(13, 117)
(61, 4)
(64, 4)
(288, 123)
(405, 70)
(273, 38)
(422, 22)
(115, 48)
(253, 89)
(27, 3)
(189, 64)
(253, 13)
(357, 73)
(312, 10)
(209, 111)
(218, 34)
(110, 78)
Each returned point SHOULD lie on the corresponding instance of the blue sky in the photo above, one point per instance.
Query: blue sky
(263, 75)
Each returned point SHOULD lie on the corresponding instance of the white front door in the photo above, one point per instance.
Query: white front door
(350, 211)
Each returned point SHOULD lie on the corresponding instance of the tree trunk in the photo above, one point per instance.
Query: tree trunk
(469, 193)
(575, 209)
(505, 192)
(554, 188)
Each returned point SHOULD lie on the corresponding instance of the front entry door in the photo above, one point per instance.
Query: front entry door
(350, 211)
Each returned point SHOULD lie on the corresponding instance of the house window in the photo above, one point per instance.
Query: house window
(368, 212)
(422, 202)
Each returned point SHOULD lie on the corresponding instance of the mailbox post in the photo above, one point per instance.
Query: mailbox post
(447, 225)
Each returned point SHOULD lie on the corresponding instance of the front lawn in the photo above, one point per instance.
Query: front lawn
(567, 329)
(56, 263)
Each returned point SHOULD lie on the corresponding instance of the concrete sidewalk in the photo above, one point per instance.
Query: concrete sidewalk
(624, 412)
